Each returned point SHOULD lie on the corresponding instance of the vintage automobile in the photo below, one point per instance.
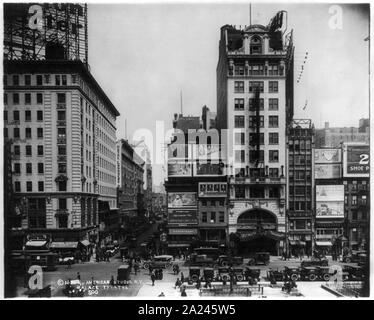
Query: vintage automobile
(208, 274)
(324, 273)
(201, 260)
(111, 250)
(225, 261)
(66, 258)
(239, 273)
(194, 273)
(123, 274)
(259, 258)
(315, 262)
(74, 289)
(252, 273)
(163, 261)
(309, 273)
(355, 256)
(292, 272)
(354, 273)
(275, 275)
(223, 274)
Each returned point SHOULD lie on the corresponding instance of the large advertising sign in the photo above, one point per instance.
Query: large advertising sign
(179, 168)
(327, 155)
(330, 201)
(204, 152)
(356, 161)
(182, 216)
(181, 199)
(327, 171)
(212, 189)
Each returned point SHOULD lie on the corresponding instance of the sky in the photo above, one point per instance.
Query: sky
(144, 55)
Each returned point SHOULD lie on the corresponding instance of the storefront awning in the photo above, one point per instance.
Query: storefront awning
(64, 245)
(297, 243)
(323, 243)
(86, 243)
(36, 243)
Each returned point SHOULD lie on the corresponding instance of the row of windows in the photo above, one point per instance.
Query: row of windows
(240, 156)
(240, 138)
(28, 150)
(205, 203)
(298, 145)
(239, 122)
(38, 80)
(273, 104)
(257, 70)
(17, 168)
(29, 186)
(300, 205)
(300, 175)
(255, 85)
(255, 192)
(27, 115)
(213, 217)
(356, 200)
(28, 131)
(27, 98)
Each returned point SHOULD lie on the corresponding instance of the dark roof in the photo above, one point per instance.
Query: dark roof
(185, 123)
(40, 66)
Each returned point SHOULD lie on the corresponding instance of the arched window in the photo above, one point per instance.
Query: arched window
(256, 45)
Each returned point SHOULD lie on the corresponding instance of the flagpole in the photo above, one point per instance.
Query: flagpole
(250, 14)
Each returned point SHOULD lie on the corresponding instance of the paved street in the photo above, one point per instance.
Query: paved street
(141, 285)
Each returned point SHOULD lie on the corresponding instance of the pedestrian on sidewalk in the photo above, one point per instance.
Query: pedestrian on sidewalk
(182, 277)
(153, 278)
(136, 268)
(161, 294)
(178, 283)
(111, 281)
(69, 264)
(78, 276)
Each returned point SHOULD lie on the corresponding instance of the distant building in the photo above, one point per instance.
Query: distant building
(300, 200)
(208, 118)
(333, 137)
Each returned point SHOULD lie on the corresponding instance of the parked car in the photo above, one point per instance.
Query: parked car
(309, 273)
(163, 261)
(208, 274)
(315, 262)
(359, 256)
(74, 289)
(223, 274)
(354, 273)
(260, 258)
(225, 261)
(292, 272)
(239, 273)
(324, 273)
(66, 258)
(252, 273)
(201, 260)
(194, 273)
(275, 274)
(123, 274)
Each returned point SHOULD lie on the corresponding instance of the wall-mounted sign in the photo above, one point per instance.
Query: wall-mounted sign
(327, 171)
(212, 189)
(179, 168)
(330, 201)
(356, 161)
(182, 216)
(204, 152)
(327, 155)
(181, 199)
(208, 169)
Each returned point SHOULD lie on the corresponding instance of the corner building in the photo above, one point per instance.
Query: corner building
(255, 104)
(61, 128)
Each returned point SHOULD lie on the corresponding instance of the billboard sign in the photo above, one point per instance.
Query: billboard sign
(330, 201)
(212, 189)
(182, 231)
(179, 168)
(208, 169)
(181, 199)
(182, 216)
(327, 171)
(331, 209)
(204, 152)
(356, 160)
(327, 155)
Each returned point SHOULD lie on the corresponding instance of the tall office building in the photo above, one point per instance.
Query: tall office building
(255, 104)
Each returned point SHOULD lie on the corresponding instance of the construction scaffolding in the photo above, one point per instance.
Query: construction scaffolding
(46, 31)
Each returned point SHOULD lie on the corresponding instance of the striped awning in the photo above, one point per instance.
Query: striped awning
(36, 243)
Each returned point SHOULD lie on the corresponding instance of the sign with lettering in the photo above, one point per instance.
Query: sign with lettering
(356, 161)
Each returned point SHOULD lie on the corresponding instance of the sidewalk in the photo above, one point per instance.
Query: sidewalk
(147, 290)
